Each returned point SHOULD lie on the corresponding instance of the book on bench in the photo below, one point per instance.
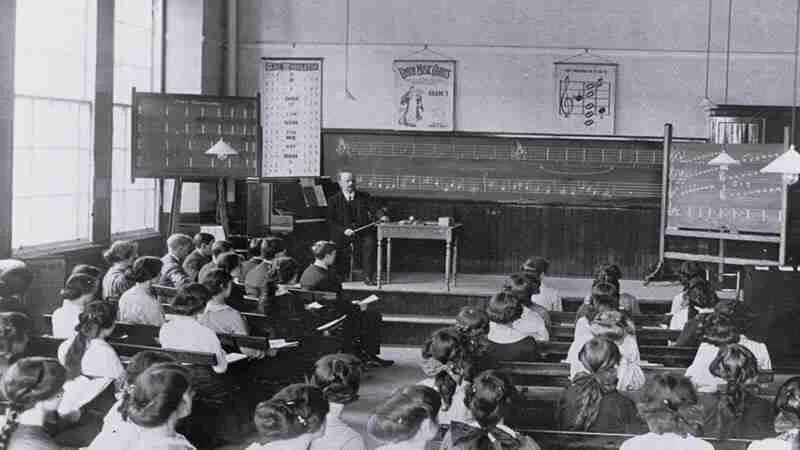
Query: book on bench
(277, 344)
(371, 299)
(233, 357)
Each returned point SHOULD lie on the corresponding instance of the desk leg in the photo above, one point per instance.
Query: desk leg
(380, 262)
(447, 262)
(455, 260)
(388, 260)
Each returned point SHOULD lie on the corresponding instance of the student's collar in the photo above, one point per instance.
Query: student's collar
(215, 307)
(504, 333)
(320, 265)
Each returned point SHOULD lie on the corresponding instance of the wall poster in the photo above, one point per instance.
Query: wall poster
(585, 97)
(424, 95)
(291, 112)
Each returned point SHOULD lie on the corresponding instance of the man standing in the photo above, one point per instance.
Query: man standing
(347, 211)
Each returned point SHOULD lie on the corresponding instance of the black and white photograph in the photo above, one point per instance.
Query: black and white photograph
(399, 225)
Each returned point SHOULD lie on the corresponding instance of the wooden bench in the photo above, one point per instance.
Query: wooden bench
(667, 355)
(641, 320)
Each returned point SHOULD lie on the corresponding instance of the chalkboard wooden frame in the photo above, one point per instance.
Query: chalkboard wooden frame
(194, 173)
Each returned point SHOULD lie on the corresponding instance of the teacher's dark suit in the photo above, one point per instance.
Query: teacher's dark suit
(343, 214)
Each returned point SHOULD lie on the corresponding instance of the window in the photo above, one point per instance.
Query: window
(53, 121)
(133, 205)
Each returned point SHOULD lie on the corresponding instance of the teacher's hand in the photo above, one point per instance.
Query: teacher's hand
(348, 232)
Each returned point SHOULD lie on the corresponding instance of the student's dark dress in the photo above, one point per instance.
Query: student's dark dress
(361, 325)
(756, 422)
(523, 350)
(616, 414)
(194, 262)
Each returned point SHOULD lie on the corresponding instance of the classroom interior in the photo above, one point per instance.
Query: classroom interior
(625, 132)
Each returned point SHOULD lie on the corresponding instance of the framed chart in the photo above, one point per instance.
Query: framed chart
(584, 97)
(424, 95)
(291, 115)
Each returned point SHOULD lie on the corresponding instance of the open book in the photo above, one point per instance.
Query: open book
(233, 357)
(371, 299)
(332, 323)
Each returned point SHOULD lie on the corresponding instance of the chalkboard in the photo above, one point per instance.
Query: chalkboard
(172, 132)
(738, 200)
(498, 168)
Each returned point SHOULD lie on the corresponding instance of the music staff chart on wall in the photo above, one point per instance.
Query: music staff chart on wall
(585, 97)
(291, 93)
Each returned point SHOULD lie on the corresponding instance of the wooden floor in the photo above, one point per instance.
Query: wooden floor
(488, 284)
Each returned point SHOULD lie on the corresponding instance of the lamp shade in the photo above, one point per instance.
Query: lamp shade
(221, 150)
(788, 163)
(723, 159)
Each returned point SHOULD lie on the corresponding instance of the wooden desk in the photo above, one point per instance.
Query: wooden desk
(395, 230)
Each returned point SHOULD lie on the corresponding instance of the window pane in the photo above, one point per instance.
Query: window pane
(132, 204)
(53, 161)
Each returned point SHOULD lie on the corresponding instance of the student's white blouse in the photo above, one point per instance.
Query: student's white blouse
(223, 319)
(629, 373)
(186, 333)
(532, 324)
(458, 410)
(137, 305)
(65, 319)
(666, 441)
(679, 313)
(548, 297)
(700, 374)
(100, 366)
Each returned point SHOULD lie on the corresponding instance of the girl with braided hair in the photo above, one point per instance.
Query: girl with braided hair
(787, 422)
(291, 419)
(592, 402)
(489, 401)
(670, 407)
(407, 419)
(339, 377)
(14, 330)
(92, 368)
(450, 349)
(115, 428)
(735, 411)
(33, 387)
(473, 324)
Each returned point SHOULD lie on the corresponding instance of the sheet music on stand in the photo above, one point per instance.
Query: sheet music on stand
(313, 194)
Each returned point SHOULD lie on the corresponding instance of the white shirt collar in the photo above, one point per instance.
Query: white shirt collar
(320, 265)
(504, 334)
(349, 196)
(216, 307)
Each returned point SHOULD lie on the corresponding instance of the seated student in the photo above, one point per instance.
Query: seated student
(200, 256)
(231, 263)
(92, 367)
(505, 342)
(610, 273)
(734, 411)
(407, 420)
(117, 431)
(604, 297)
(363, 325)
(139, 304)
(292, 418)
(15, 280)
(255, 282)
(592, 402)
(15, 329)
(117, 280)
(719, 331)
(787, 422)
(78, 291)
(158, 398)
(473, 325)
(669, 406)
(679, 310)
(253, 257)
(489, 400)
(615, 326)
(185, 332)
(339, 376)
(548, 296)
(217, 315)
(535, 320)
(172, 274)
(453, 375)
(702, 300)
(33, 388)
(88, 269)
(218, 248)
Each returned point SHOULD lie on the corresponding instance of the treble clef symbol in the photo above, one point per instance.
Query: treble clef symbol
(565, 104)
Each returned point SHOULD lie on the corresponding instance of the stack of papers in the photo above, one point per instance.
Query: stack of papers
(282, 343)
(371, 299)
